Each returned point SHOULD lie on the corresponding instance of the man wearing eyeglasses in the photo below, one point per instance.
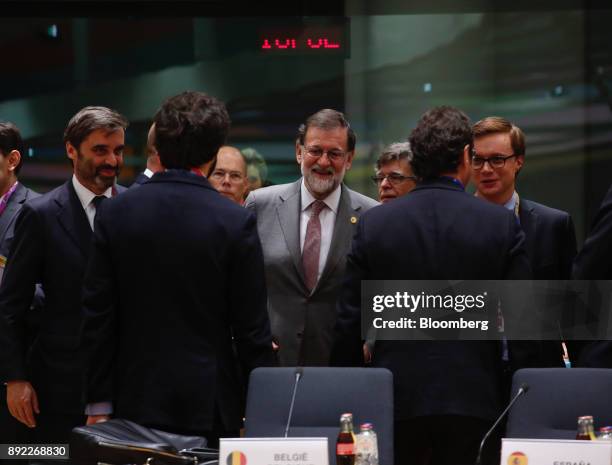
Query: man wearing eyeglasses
(550, 240)
(305, 229)
(230, 174)
(394, 176)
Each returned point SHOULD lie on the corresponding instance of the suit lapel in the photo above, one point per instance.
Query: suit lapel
(11, 210)
(529, 222)
(343, 234)
(73, 219)
(288, 213)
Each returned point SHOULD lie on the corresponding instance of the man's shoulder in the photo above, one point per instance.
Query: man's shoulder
(360, 200)
(42, 202)
(31, 194)
(273, 194)
(544, 211)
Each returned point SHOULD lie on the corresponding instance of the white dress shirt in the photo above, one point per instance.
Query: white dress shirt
(86, 196)
(327, 217)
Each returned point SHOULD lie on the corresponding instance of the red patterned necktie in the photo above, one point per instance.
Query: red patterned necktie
(312, 245)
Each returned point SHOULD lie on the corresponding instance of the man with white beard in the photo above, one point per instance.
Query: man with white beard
(305, 229)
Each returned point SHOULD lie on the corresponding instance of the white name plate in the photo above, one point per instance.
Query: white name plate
(273, 451)
(555, 452)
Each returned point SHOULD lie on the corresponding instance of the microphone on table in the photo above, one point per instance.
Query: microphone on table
(522, 390)
(299, 371)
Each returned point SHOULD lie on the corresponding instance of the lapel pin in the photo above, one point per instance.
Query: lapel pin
(353, 219)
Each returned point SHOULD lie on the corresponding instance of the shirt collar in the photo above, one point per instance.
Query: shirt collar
(85, 195)
(148, 173)
(332, 200)
(510, 204)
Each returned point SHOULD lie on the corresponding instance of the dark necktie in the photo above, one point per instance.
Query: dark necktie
(312, 245)
(96, 201)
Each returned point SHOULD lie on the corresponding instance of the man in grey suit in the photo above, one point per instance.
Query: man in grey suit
(306, 229)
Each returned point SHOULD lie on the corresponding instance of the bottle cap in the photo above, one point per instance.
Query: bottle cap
(366, 426)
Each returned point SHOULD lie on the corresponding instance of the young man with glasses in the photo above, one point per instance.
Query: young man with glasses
(394, 176)
(305, 229)
(550, 240)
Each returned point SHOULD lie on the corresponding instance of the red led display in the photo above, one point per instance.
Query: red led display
(306, 39)
(294, 43)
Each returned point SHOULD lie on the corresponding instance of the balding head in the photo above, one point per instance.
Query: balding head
(230, 174)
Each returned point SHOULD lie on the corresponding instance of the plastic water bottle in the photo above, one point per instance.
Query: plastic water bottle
(366, 446)
(605, 433)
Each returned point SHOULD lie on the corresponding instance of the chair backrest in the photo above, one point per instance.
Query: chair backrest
(323, 394)
(556, 398)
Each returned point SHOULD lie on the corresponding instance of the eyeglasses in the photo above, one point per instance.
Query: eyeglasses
(234, 176)
(497, 161)
(394, 178)
(317, 152)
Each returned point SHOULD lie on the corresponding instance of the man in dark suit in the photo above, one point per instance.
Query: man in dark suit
(176, 275)
(595, 262)
(306, 229)
(446, 393)
(550, 239)
(13, 195)
(51, 246)
(153, 163)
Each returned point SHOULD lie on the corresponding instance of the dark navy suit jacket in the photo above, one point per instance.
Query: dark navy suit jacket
(8, 218)
(140, 180)
(595, 262)
(51, 247)
(438, 232)
(175, 279)
(550, 241)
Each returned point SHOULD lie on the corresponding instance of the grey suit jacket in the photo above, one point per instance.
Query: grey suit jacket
(302, 321)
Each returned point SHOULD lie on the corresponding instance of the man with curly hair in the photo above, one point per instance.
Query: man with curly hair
(446, 393)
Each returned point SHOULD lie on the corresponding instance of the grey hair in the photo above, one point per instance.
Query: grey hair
(395, 151)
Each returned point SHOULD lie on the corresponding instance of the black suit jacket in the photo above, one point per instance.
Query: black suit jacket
(8, 218)
(595, 262)
(176, 273)
(51, 247)
(438, 232)
(550, 241)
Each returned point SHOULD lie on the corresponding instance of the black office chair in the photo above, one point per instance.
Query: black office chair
(323, 394)
(555, 400)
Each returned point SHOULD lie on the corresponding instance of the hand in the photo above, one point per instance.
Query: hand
(367, 355)
(275, 346)
(22, 402)
(93, 419)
